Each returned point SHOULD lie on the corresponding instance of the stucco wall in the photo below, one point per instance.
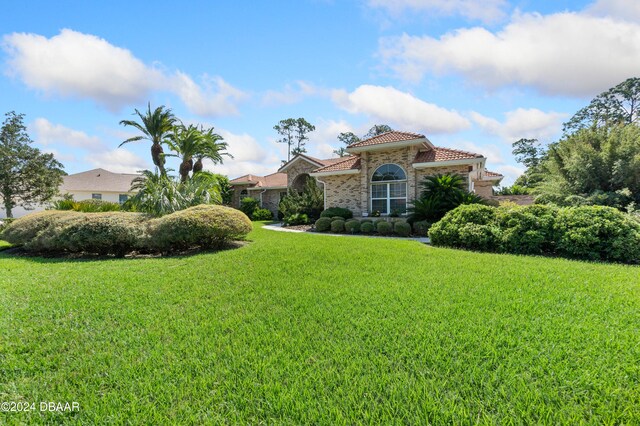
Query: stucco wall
(483, 188)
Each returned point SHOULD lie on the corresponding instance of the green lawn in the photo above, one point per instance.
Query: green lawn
(311, 329)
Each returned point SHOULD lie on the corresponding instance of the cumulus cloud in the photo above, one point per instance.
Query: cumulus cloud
(483, 10)
(118, 160)
(405, 111)
(559, 54)
(84, 66)
(490, 151)
(291, 94)
(529, 123)
(47, 133)
(324, 140)
(619, 9)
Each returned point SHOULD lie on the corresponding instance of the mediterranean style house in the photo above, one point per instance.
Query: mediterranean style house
(382, 174)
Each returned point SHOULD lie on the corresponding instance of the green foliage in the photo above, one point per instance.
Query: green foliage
(337, 212)
(66, 203)
(468, 226)
(248, 205)
(403, 229)
(367, 227)
(297, 219)
(527, 230)
(376, 130)
(337, 226)
(262, 214)
(160, 194)
(204, 226)
(4, 223)
(92, 206)
(597, 233)
(421, 228)
(26, 228)
(352, 226)
(513, 190)
(27, 176)
(384, 228)
(323, 224)
(310, 202)
(293, 132)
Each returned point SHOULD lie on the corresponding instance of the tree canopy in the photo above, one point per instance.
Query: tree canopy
(27, 175)
(293, 132)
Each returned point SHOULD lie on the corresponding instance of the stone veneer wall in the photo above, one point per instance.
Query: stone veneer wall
(270, 198)
(342, 191)
(483, 188)
(235, 198)
(300, 167)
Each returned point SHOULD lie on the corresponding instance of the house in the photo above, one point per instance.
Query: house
(99, 184)
(380, 174)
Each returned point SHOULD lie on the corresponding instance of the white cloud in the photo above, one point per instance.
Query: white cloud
(483, 10)
(47, 133)
(118, 160)
(563, 53)
(522, 123)
(619, 9)
(291, 94)
(509, 172)
(405, 111)
(84, 66)
(490, 151)
(243, 146)
(62, 157)
(324, 139)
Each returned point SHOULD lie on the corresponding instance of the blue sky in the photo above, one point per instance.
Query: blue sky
(473, 75)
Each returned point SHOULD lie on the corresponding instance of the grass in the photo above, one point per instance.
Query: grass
(311, 329)
(4, 245)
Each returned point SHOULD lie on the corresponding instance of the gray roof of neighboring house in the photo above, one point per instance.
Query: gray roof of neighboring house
(98, 180)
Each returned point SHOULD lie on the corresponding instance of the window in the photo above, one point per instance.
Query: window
(96, 196)
(244, 194)
(122, 198)
(389, 189)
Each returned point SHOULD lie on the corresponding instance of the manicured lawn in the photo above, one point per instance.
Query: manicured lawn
(309, 329)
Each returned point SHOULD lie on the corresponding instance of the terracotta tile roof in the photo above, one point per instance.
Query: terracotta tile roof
(245, 179)
(387, 137)
(488, 173)
(268, 181)
(443, 154)
(98, 180)
(344, 163)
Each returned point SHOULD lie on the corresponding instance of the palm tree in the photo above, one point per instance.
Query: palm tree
(212, 147)
(192, 142)
(155, 126)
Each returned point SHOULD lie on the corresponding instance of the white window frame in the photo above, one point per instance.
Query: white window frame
(96, 196)
(388, 184)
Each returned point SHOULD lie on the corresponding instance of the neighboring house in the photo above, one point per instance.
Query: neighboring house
(99, 184)
(382, 173)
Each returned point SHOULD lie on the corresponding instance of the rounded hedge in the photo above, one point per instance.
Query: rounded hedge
(204, 225)
(26, 228)
(262, 214)
(526, 230)
(352, 226)
(337, 225)
(403, 229)
(367, 228)
(384, 228)
(421, 228)
(333, 212)
(323, 224)
(469, 226)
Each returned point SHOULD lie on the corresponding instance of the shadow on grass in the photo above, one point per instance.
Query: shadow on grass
(53, 257)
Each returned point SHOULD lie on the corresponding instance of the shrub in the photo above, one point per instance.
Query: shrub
(384, 228)
(297, 219)
(479, 237)
(337, 211)
(352, 226)
(337, 226)
(338, 218)
(323, 224)
(4, 223)
(262, 214)
(597, 233)
(403, 229)
(421, 228)
(367, 228)
(204, 225)
(64, 204)
(526, 230)
(365, 221)
(449, 230)
(26, 228)
(95, 206)
(104, 233)
(309, 202)
(248, 205)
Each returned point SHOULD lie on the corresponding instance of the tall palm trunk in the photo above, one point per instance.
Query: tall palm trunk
(197, 167)
(157, 155)
(185, 167)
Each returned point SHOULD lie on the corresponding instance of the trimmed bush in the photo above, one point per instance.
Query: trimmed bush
(262, 214)
(352, 226)
(450, 230)
(365, 221)
(338, 218)
(479, 237)
(526, 230)
(421, 228)
(337, 211)
(403, 229)
(204, 225)
(323, 224)
(26, 228)
(95, 206)
(4, 223)
(296, 219)
(337, 226)
(597, 233)
(367, 227)
(105, 233)
(384, 228)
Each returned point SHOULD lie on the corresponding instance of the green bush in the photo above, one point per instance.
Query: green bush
(367, 227)
(448, 231)
(479, 237)
(337, 211)
(104, 233)
(384, 228)
(297, 219)
(204, 226)
(338, 218)
(527, 230)
(95, 206)
(4, 223)
(597, 233)
(337, 226)
(403, 229)
(262, 214)
(248, 205)
(352, 226)
(323, 224)
(26, 228)
(63, 204)
(421, 228)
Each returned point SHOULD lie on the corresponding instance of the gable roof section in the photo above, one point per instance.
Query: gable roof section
(302, 157)
(98, 180)
(274, 180)
(491, 174)
(346, 165)
(444, 154)
(245, 180)
(396, 138)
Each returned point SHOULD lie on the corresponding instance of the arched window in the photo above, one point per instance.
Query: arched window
(244, 194)
(389, 189)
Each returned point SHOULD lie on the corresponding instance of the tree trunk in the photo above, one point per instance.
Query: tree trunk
(197, 167)
(185, 167)
(7, 209)
(157, 155)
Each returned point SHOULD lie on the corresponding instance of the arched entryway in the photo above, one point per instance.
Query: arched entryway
(299, 182)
